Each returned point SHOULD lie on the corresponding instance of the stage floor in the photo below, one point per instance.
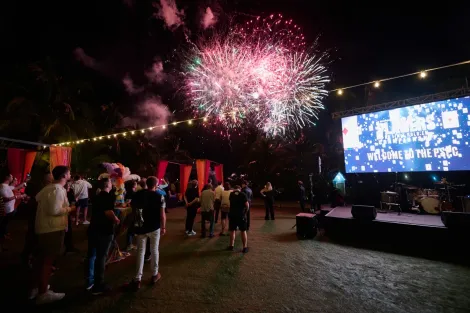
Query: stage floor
(392, 217)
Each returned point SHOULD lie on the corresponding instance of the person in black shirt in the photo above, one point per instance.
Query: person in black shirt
(249, 195)
(191, 198)
(238, 217)
(149, 223)
(268, 193)
(301, 195)
(100, 236)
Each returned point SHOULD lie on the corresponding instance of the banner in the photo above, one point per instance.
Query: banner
(161, 170)
(20, 162)
(219, 172)
(185, 172)
(201, 172)
(60, 156)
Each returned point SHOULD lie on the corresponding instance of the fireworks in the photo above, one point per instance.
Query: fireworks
(258, 74)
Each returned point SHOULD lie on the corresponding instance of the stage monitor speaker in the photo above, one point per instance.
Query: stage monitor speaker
(459, 221)
(306, 224)
(364, 212)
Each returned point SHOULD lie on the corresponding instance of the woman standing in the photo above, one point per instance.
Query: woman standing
(225, 207)
(191, 199)
(268, 194)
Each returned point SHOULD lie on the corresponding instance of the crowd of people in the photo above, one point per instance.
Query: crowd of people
(54, 207)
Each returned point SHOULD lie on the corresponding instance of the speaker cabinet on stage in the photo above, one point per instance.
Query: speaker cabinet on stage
(364, 212)
(306, 224)
(459, 221)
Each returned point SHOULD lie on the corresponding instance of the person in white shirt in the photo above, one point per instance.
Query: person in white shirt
(51, 222)
(7, 207)
(80, 188)
(207, 210)
(218, 200)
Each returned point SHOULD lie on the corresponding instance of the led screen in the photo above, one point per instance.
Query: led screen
(427, 137)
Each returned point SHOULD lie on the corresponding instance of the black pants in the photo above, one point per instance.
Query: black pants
(248, 217)
(217, 204)
(269, 205)
(31, 239)
(302, 205)
(190, 216)
(68, 240)
(98, 248)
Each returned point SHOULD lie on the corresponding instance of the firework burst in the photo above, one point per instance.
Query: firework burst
(258, 74)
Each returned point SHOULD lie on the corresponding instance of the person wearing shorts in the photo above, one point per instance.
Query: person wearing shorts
(238, 217)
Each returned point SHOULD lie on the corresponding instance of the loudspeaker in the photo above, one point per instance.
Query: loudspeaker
(307, 224)
(456, 220)
(364, 212)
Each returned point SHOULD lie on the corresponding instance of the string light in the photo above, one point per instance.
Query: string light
(132, 132)
(421, 74)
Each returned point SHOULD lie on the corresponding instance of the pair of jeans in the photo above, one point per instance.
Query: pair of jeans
(190, 216)
(154, 238)
(269, 205)
(98, 248)
(207, 216)
(217, 204)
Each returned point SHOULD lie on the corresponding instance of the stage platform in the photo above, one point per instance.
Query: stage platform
(408, 233)
(422, 220)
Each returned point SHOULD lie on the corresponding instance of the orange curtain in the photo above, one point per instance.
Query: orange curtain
(20, 163)
(185, 172)
(201, 173)
(60, 156)
(219, 172)
(161, 169)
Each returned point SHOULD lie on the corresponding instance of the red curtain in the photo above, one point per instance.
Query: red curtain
(201, 172)
(20, 162)
(60, 156)
(161, 169)
(185, 172)
(219, 172)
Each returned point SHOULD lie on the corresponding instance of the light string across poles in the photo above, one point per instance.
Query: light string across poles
(377, 83)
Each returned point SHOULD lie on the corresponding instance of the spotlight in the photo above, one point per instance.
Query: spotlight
(377, 84)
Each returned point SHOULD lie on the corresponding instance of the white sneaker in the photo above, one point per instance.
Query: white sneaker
(85, 222)
(192, 233)
(49, 297)
(34, 293)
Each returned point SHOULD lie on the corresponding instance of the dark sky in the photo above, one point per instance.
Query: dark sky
(369, 40)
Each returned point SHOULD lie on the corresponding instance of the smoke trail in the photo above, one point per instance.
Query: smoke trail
(151, 112)
(208, 19)
(155, 74)
(85, 59)
(130, 87)
(169, 13)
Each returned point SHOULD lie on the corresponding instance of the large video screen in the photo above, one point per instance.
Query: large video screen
(427, 137)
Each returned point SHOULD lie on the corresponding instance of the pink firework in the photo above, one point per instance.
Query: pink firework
(258, 74)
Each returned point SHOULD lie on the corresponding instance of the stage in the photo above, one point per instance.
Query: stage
(421, 220)
(408, 233)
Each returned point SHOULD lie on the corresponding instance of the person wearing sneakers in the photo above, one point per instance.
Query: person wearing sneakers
(191, 199)
(225, 207)
(149, 224)
(80, 188)
(51, 222)
(238, 217)
(100, 236)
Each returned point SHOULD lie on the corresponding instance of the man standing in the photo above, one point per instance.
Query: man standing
(207, 210)
(238, 217)
(8, 207)
(301, 195)
(218, 199)
(80, 188)
(249, 195)
(191, 199)
(100, 236)
(150, 221)
(51, 222)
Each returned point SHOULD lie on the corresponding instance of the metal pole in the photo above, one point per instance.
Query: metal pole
(25, 142)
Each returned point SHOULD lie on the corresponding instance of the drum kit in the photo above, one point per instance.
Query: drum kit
(431, 201)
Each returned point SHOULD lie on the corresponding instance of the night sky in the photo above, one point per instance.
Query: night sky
(367, 41)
